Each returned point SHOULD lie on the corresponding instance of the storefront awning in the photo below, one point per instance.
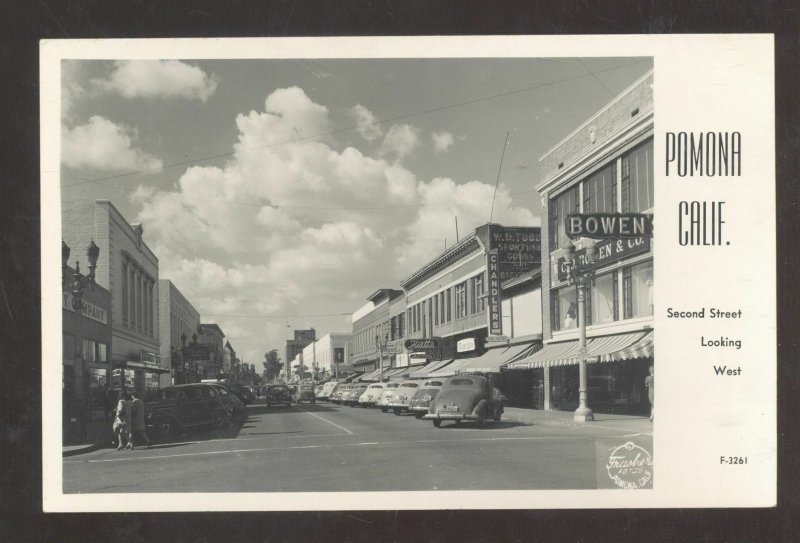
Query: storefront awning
(451, 369)
(493, 359)
(426, 371)
(133, 365)
(601, 349)
(373, 375)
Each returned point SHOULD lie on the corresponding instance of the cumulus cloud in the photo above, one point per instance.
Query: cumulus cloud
(445, 199)
(100, 144)
(292, 225)
(401, 140)
(158, 79)
(442, 141)
(366, 122)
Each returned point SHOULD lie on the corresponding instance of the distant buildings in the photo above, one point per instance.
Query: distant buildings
(179, 322)
(294, 347)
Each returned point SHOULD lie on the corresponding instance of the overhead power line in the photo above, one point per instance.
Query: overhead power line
(355, 127)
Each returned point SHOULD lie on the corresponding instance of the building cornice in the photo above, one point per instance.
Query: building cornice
(447, 258)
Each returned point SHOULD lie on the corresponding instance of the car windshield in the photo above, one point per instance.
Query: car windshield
(410, 385)
(375, 386)
(462, 382)
(433, 384)
(393, 385)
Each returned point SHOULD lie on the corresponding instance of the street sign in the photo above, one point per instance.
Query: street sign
(389, 349)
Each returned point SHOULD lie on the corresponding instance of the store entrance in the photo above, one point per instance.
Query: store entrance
(523, 388)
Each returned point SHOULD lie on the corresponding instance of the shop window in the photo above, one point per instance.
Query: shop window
(637, 290)
(448, 303)
(564, 311)
(151, 381)
(561, 206)
(97, 388)
(637, 179)
(603, 300)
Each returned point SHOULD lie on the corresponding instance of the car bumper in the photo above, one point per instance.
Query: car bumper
(403, 406)
(419, 408)
(450, 416)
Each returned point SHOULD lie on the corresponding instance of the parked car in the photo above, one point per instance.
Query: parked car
(318, 391)
(327, 388)
(235, 407)
(370, 396)
(338, 392)
(174, 408)
(401, 399)
(242, 392)
(278, 394)
(351, 396)
(305, 393)
(386, 395)
(465, 397)
(425, 394)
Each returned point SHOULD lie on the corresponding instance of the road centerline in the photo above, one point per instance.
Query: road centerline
(324, 420)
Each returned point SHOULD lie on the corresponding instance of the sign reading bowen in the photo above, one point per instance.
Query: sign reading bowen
(609, 225)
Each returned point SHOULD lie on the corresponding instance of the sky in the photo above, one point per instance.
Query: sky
(279, 194)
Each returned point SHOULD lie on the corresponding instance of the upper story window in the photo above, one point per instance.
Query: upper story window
(561, 206)
(637, 179)
(478, 301)
(461, 300)
(600, 191)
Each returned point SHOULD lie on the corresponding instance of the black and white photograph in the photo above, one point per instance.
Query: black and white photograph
(407, 273)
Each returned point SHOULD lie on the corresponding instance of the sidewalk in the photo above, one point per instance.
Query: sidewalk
(98, 435)
(563, 419)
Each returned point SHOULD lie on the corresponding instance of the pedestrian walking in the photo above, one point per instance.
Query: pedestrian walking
(137, 417)
(651, 389)
(122, 422)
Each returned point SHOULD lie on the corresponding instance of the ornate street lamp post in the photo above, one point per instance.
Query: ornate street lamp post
(381, 346)
(582, 274)
(78, 284)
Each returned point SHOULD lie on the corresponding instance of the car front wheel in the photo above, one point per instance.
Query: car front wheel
(220, 419)
(437, 423)
(419, 415)
(164, 427)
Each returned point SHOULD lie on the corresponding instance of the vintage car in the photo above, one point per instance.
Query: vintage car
(338, 392)
(465, 397)
(401, 399)
(351, 396)
(305, 393)
(235, 407)
(243, 393)
(327, 388)
(425, 394)
(386, 396)
(174, 408)
(318, 391)
(370, 396)
(278, 394)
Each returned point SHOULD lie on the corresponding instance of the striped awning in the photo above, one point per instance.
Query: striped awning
(600, 349)
(450, 369)
(641, 348)
(492, 360)
(373, 375)
(425, 371)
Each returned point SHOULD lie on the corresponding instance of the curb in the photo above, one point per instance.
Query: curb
(81, 450)
(545, 422)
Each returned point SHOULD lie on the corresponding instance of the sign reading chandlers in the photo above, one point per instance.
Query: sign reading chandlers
(495, 316)
(518, 250)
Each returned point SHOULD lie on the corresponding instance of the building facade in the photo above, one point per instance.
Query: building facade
(178, 323)
(604, 166)
(372, 325)
(295, 346)
(213, 338)
(326, 357)
(86, 358)
(130, 273)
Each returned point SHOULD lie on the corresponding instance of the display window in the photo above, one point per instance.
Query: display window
(637, 289)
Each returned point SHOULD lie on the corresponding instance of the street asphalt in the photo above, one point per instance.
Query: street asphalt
(329, 448)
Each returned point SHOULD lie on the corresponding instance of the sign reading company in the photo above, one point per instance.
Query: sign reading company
(518, 250)
(609, 225)
(493, 268)
(90, 311)
(608, 251)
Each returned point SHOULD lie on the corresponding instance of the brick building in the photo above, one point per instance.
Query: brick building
(178, 323)
(605, 165)
(130, 273)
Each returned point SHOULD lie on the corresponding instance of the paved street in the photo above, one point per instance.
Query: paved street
(325, 447)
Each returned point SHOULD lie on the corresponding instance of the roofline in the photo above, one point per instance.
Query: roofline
(629, 88)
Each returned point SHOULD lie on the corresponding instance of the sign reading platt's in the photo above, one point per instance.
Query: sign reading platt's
(609, 225)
